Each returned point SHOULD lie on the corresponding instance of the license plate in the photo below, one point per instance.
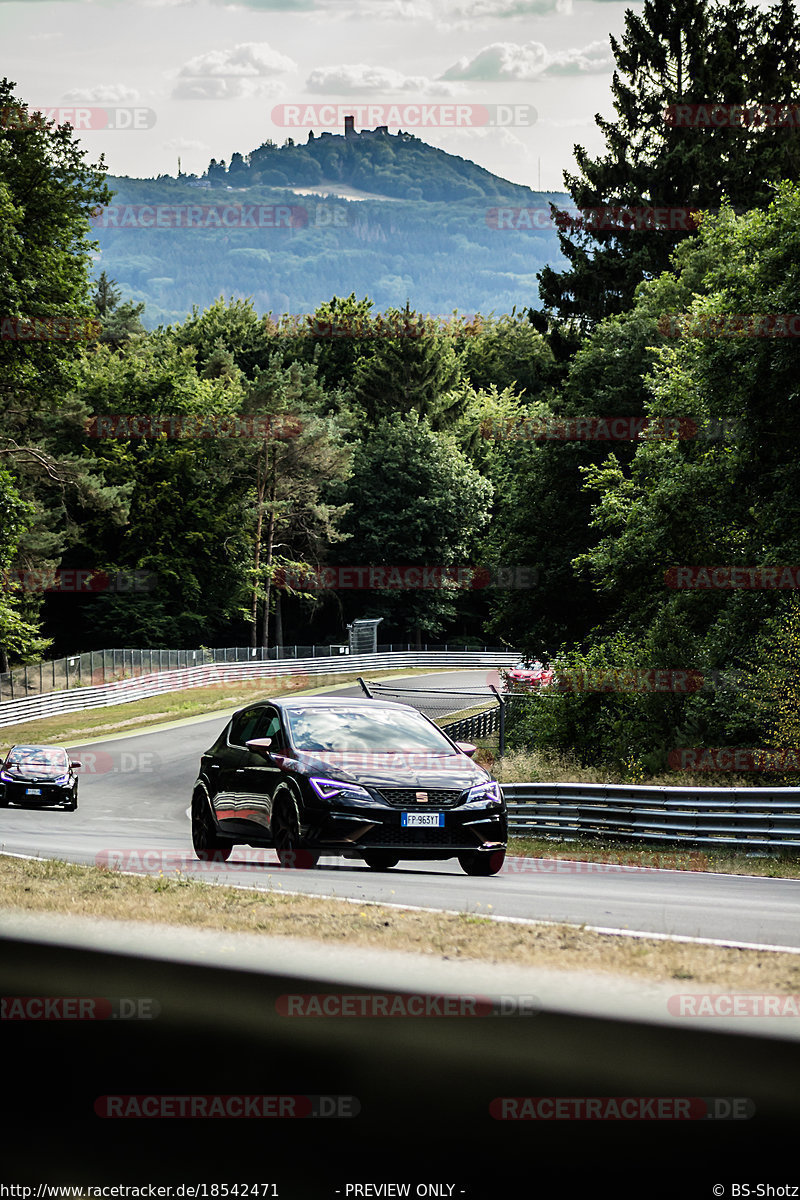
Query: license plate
(33, 791)
(428, 820)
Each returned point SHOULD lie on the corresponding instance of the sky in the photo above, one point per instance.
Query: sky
(511, 84)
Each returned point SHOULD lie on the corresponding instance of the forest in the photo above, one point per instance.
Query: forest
(624, 437)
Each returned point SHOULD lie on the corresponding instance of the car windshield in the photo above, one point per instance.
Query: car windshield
(29, 757)
(358, 729)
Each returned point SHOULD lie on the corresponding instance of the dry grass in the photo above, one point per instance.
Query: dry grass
(53, 886)
(667, 857)
(531, 766)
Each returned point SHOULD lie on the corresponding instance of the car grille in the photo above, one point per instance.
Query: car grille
(395, 835)
(407, 797)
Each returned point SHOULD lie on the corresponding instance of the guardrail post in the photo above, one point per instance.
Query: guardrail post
(502, 718)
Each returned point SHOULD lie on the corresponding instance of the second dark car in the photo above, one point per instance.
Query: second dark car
(366, 779)
(40, 776)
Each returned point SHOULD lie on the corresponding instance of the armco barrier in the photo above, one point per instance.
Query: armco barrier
(753, 818)
(14, 712)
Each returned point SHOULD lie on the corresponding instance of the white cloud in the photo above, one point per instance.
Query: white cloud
(246, 70)
(502, 62)
(486, 9)
(248, 59)
(593, 59)
(103, 93)
(358, 78)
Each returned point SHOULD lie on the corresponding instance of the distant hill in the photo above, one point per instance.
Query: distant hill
(277, 226)
(398, 166)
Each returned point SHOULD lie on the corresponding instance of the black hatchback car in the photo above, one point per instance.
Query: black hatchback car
(40, 776)
(366, 779)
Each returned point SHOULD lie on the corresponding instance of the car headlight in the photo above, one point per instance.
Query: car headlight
(332, 789)
(62, 780)
(486, 792)
(5, 777)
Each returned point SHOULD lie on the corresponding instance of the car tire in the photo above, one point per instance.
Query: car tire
(286, 835)
(474, 862)
(381, 860)
(73, 802)
(4, 801)
(207, 845)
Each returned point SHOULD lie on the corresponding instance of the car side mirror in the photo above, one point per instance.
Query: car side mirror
(467, 748)
(76, 765)
(259, 746)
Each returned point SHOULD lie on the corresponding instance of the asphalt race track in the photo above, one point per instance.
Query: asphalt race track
(132, 814)
(425, 1124)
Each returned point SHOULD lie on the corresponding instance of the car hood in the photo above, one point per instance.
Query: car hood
(395, 769)
(36, 774)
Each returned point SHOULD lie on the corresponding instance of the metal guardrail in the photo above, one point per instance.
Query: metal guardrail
(752, 818)
(93, 668)
(126, 690)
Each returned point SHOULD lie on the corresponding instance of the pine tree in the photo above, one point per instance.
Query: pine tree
(107, 296)
(676, 52)
(414, 367)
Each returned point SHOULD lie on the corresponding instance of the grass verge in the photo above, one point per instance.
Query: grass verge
(603, 855)
(55, 886)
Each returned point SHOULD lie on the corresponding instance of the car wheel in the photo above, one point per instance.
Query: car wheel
(381, 860)
(72, 803)
(207, 846)
(4, 801)
(286, 836)
(476, 863)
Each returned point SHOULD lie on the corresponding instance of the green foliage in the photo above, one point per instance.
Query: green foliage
(676, 52)
(727, 496)
(414, 499)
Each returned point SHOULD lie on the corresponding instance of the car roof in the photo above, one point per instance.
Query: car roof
(328, 702)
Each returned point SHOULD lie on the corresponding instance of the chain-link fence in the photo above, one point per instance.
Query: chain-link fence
(96, 667)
